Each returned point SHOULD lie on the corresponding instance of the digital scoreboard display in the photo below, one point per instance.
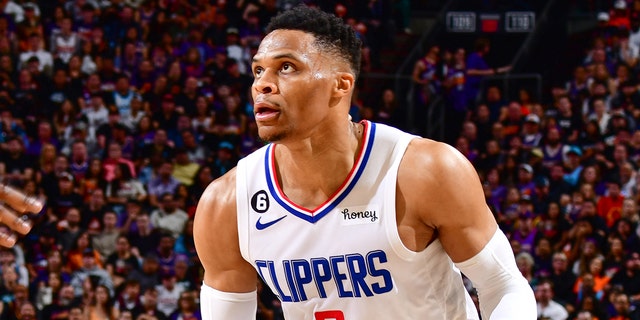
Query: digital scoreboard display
(490, 22)
(458, 21)
(519, 21)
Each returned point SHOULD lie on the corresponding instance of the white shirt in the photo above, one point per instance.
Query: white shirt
(95, 117)
(168, 299)
(44, 57)
(553, 311)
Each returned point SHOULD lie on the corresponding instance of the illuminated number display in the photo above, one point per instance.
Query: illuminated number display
(461, 21)
(520, 21)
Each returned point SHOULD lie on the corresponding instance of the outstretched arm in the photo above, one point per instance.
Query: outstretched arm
(437, 175)
(229, 288)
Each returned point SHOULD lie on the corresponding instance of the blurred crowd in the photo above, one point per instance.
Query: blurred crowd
(117, 114)
(560, 171)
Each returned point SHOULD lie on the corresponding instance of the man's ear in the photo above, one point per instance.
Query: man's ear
(345, 81)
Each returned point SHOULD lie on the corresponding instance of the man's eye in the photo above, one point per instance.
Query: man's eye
(287, 67)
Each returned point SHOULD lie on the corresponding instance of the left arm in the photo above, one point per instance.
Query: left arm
(437, 174)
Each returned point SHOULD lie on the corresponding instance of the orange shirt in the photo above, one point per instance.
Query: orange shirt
(599, 282)
(74, 259)
(609, 208)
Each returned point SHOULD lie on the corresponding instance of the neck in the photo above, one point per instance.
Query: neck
(320, 163)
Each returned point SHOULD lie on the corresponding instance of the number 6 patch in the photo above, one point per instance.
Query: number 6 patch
(260, 202)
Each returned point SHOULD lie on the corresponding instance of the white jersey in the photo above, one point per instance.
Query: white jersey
(344, 259)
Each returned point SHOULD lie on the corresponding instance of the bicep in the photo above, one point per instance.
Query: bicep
(456, 206)
(216, 240)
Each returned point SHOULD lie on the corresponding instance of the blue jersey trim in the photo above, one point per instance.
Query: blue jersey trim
(317, 215)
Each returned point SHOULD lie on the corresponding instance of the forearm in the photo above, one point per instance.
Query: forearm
(502, 291)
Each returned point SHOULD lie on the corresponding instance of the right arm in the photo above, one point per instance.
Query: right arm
(229, 286)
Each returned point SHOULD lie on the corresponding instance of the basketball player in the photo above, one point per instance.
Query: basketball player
(13, 201)
(346, 220)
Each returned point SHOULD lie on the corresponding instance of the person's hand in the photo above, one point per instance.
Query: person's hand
(13, 202)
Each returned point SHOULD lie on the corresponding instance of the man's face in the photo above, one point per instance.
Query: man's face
(142, 221)
(292, 89)
(27, 312)
(14, 146)
(543, 292)
(168, 204)
(79, 151)
(75, 314)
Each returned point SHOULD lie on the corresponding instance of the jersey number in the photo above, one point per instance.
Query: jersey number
(329, 315)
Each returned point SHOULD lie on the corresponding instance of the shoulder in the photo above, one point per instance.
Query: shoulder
(432, 172)
(218, 199)
(434, 160)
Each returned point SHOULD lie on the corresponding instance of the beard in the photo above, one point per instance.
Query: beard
(273, 135)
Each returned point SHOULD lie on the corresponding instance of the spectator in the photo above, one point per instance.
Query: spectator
(573, 167)
(62, 305)
(130, 299)
(149, 273)
(122, 96)
(113, 160)
(17, 166)
(568, 122)
(136, 113)
(150, 304)
(547, 307)
(144, 237)
(65, 43)
(629, 275)
(121, 262)
(35, 49)
(91, 269)
(76, 312)
(169, 292)
(525, 262)
(593, 281)
(167, 256)
(225, 159)
(159, 150)
(624, 309)
(123, 188)
(26, 311)
(610, 204)
(163, 183)
(184, 169)
(69, 228)
(187, 307)
(197, 153)
(477, 69)
(105, 241)
(101, 304)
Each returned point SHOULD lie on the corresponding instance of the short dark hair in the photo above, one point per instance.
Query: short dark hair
(331, 33)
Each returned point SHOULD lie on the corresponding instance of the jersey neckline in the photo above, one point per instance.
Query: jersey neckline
(314, 215)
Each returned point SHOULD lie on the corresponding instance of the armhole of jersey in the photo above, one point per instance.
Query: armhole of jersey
(390, 199)
(242, 214)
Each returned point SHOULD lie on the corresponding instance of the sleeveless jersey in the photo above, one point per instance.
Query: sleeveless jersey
(344, 259)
